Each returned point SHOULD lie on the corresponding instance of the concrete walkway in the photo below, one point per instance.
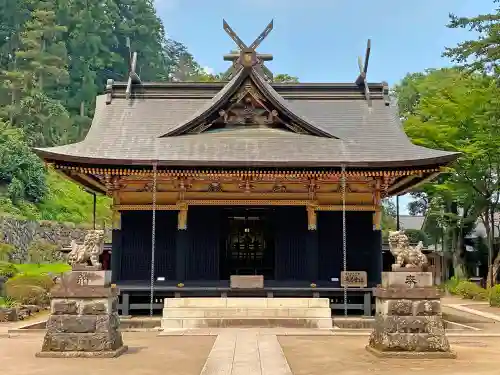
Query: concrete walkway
(246, 352)
(464, 308)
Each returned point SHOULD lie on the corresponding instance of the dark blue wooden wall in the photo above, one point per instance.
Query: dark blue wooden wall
(364, 245)
(203, 243)
(299, 253)
(135, 251)
(291, 258)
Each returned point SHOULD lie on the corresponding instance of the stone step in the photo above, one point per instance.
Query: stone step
(185, 323)
(250, 312)
(240, 302)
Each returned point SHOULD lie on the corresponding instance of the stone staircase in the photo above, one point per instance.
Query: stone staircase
(217, 312)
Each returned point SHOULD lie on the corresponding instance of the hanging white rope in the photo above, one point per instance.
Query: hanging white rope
(153, 242)
(344, 234)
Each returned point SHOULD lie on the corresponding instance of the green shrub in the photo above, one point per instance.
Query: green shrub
(495, 296)
(40, 251)
(43, 281)
(28, 294)
(6, 252)
(452, 284)
(7, 270)
(7, 302)
(470, 290)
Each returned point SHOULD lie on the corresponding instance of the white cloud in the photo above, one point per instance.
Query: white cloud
(208, 70)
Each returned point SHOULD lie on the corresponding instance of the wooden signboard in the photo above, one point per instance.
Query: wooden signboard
(246, 282)
(353, 279)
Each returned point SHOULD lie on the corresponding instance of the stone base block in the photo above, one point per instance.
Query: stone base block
(89, 342)
(410, 355)
(102, 354)
(248, 312)
(177, 323)
(241, 302)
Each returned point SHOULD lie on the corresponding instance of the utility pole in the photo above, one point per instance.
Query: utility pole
(397, 212)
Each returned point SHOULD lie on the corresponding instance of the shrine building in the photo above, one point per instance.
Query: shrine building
(246, 177)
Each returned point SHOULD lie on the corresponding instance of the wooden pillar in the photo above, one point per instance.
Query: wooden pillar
(181, 243)
(377, 263)
(312, 242)
(377, 202)
(116, 239)
(182, 217)
(311, 217)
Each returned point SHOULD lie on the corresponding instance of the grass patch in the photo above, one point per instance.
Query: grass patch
(32, 268)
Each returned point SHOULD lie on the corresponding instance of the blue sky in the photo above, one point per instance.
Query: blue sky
(319, 40)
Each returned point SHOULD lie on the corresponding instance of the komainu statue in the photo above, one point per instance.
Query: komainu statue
(89, 251)
(404, 254)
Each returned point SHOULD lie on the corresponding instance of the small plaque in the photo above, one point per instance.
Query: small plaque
(246, 282)
(354, 279)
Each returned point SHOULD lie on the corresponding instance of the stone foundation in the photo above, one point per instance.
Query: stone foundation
(84, 319)
(246, 312)
(408, 321)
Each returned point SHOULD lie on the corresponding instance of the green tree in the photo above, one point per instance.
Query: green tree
(285, 78)
(20, 170)
(457, 112)
(481, 54)
(39, 71)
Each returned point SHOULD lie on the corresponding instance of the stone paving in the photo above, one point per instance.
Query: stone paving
(246, 352)
(263, 351)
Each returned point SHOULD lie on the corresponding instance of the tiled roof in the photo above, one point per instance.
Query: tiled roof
(136, 131)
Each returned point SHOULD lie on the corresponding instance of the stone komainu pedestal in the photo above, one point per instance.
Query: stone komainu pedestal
(408, 321)
(84, 318)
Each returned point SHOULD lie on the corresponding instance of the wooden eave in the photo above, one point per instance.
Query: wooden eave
(403, 180)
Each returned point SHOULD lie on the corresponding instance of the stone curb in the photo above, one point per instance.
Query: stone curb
(470, 310)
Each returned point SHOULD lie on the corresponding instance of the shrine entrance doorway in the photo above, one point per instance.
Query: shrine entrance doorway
(247, 243)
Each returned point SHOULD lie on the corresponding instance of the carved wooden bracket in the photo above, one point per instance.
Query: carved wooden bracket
(112, 184)
(246, 185)
(182, 216)
(312, 219)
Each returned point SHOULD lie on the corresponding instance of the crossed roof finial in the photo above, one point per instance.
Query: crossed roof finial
(248, 57)
(363, 70)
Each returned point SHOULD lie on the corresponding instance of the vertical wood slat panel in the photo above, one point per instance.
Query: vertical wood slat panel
(136, 245)
(202, 257)
(362, 244)
(290, 243)
(329, 244)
